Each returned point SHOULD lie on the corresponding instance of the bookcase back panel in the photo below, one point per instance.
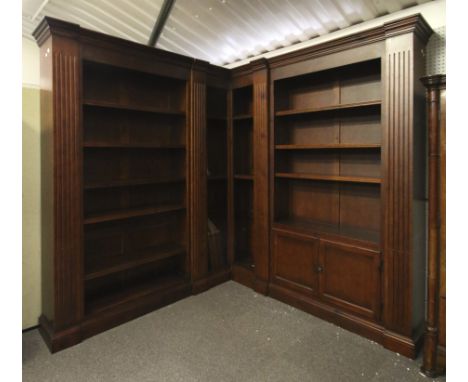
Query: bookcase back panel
(242, 101)
(116, 164)
(298, 195)
(130, 88)
(115, 240)
(326, 163)
(360, 206)
(313, 90)
(243, 147)
(360, 82)
(116, 126)
(103, 293)
(216, 148)
(121, 198)
(361, 126)
(320, 129)
(365, 163)
(216, 103)
(243, 225)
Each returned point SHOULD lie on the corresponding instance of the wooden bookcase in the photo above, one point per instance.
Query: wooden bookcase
(249, 176)
(134, 184)
(328, 152)
(347, 190)
(301, 176)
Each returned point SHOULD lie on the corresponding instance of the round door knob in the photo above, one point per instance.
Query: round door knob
(319, 269)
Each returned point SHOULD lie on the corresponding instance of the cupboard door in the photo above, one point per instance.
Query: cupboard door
(295, 261)
(350, 278)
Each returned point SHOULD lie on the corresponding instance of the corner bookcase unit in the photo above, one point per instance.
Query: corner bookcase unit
(347, 182)
(301, 176)
(211, 162)
(249, 173)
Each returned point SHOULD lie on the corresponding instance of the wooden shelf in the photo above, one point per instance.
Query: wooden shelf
(96, 304)
(329, 178)
(240, 117)
(243, 177)
(328, 230)
(146, 256)
(115, 105)
(332, 146)
(133, 145)
(132, 182)
(282, 113)
(130, 213)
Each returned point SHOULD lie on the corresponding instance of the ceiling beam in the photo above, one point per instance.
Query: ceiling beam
(160, 22)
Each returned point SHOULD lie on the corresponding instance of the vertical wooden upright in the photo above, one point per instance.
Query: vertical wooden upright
(197, 184)
(261, 164)
(434, 338)
(404, 191)
(61, 178)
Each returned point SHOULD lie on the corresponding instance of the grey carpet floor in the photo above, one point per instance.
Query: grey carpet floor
(228, 333)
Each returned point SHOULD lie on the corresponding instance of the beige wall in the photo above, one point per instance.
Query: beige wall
(31, 186)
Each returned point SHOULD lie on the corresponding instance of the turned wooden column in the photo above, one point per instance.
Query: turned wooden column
(436, 128)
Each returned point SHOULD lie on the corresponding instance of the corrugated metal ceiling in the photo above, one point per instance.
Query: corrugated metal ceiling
(219, 31)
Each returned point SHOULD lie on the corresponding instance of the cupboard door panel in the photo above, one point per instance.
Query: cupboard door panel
(295, 261)
(350, 278)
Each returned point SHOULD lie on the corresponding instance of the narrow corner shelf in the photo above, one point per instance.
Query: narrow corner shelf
(329, 178)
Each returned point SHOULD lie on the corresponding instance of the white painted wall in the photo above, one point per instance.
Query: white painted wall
(31, 192)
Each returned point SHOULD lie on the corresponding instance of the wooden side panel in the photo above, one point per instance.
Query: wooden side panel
(397, 123)
(67, 195)
(294, 262)
(350, 278)
(261, 204)
(197, 194)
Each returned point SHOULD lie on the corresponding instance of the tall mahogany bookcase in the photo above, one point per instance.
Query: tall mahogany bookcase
(301, 176)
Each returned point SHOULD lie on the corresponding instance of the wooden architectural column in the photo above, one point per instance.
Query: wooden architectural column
(434, 338)
(261, 245)
(198, 164)
(403, 187)
(62, 204)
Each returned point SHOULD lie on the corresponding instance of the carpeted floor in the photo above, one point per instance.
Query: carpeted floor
(228, 333)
